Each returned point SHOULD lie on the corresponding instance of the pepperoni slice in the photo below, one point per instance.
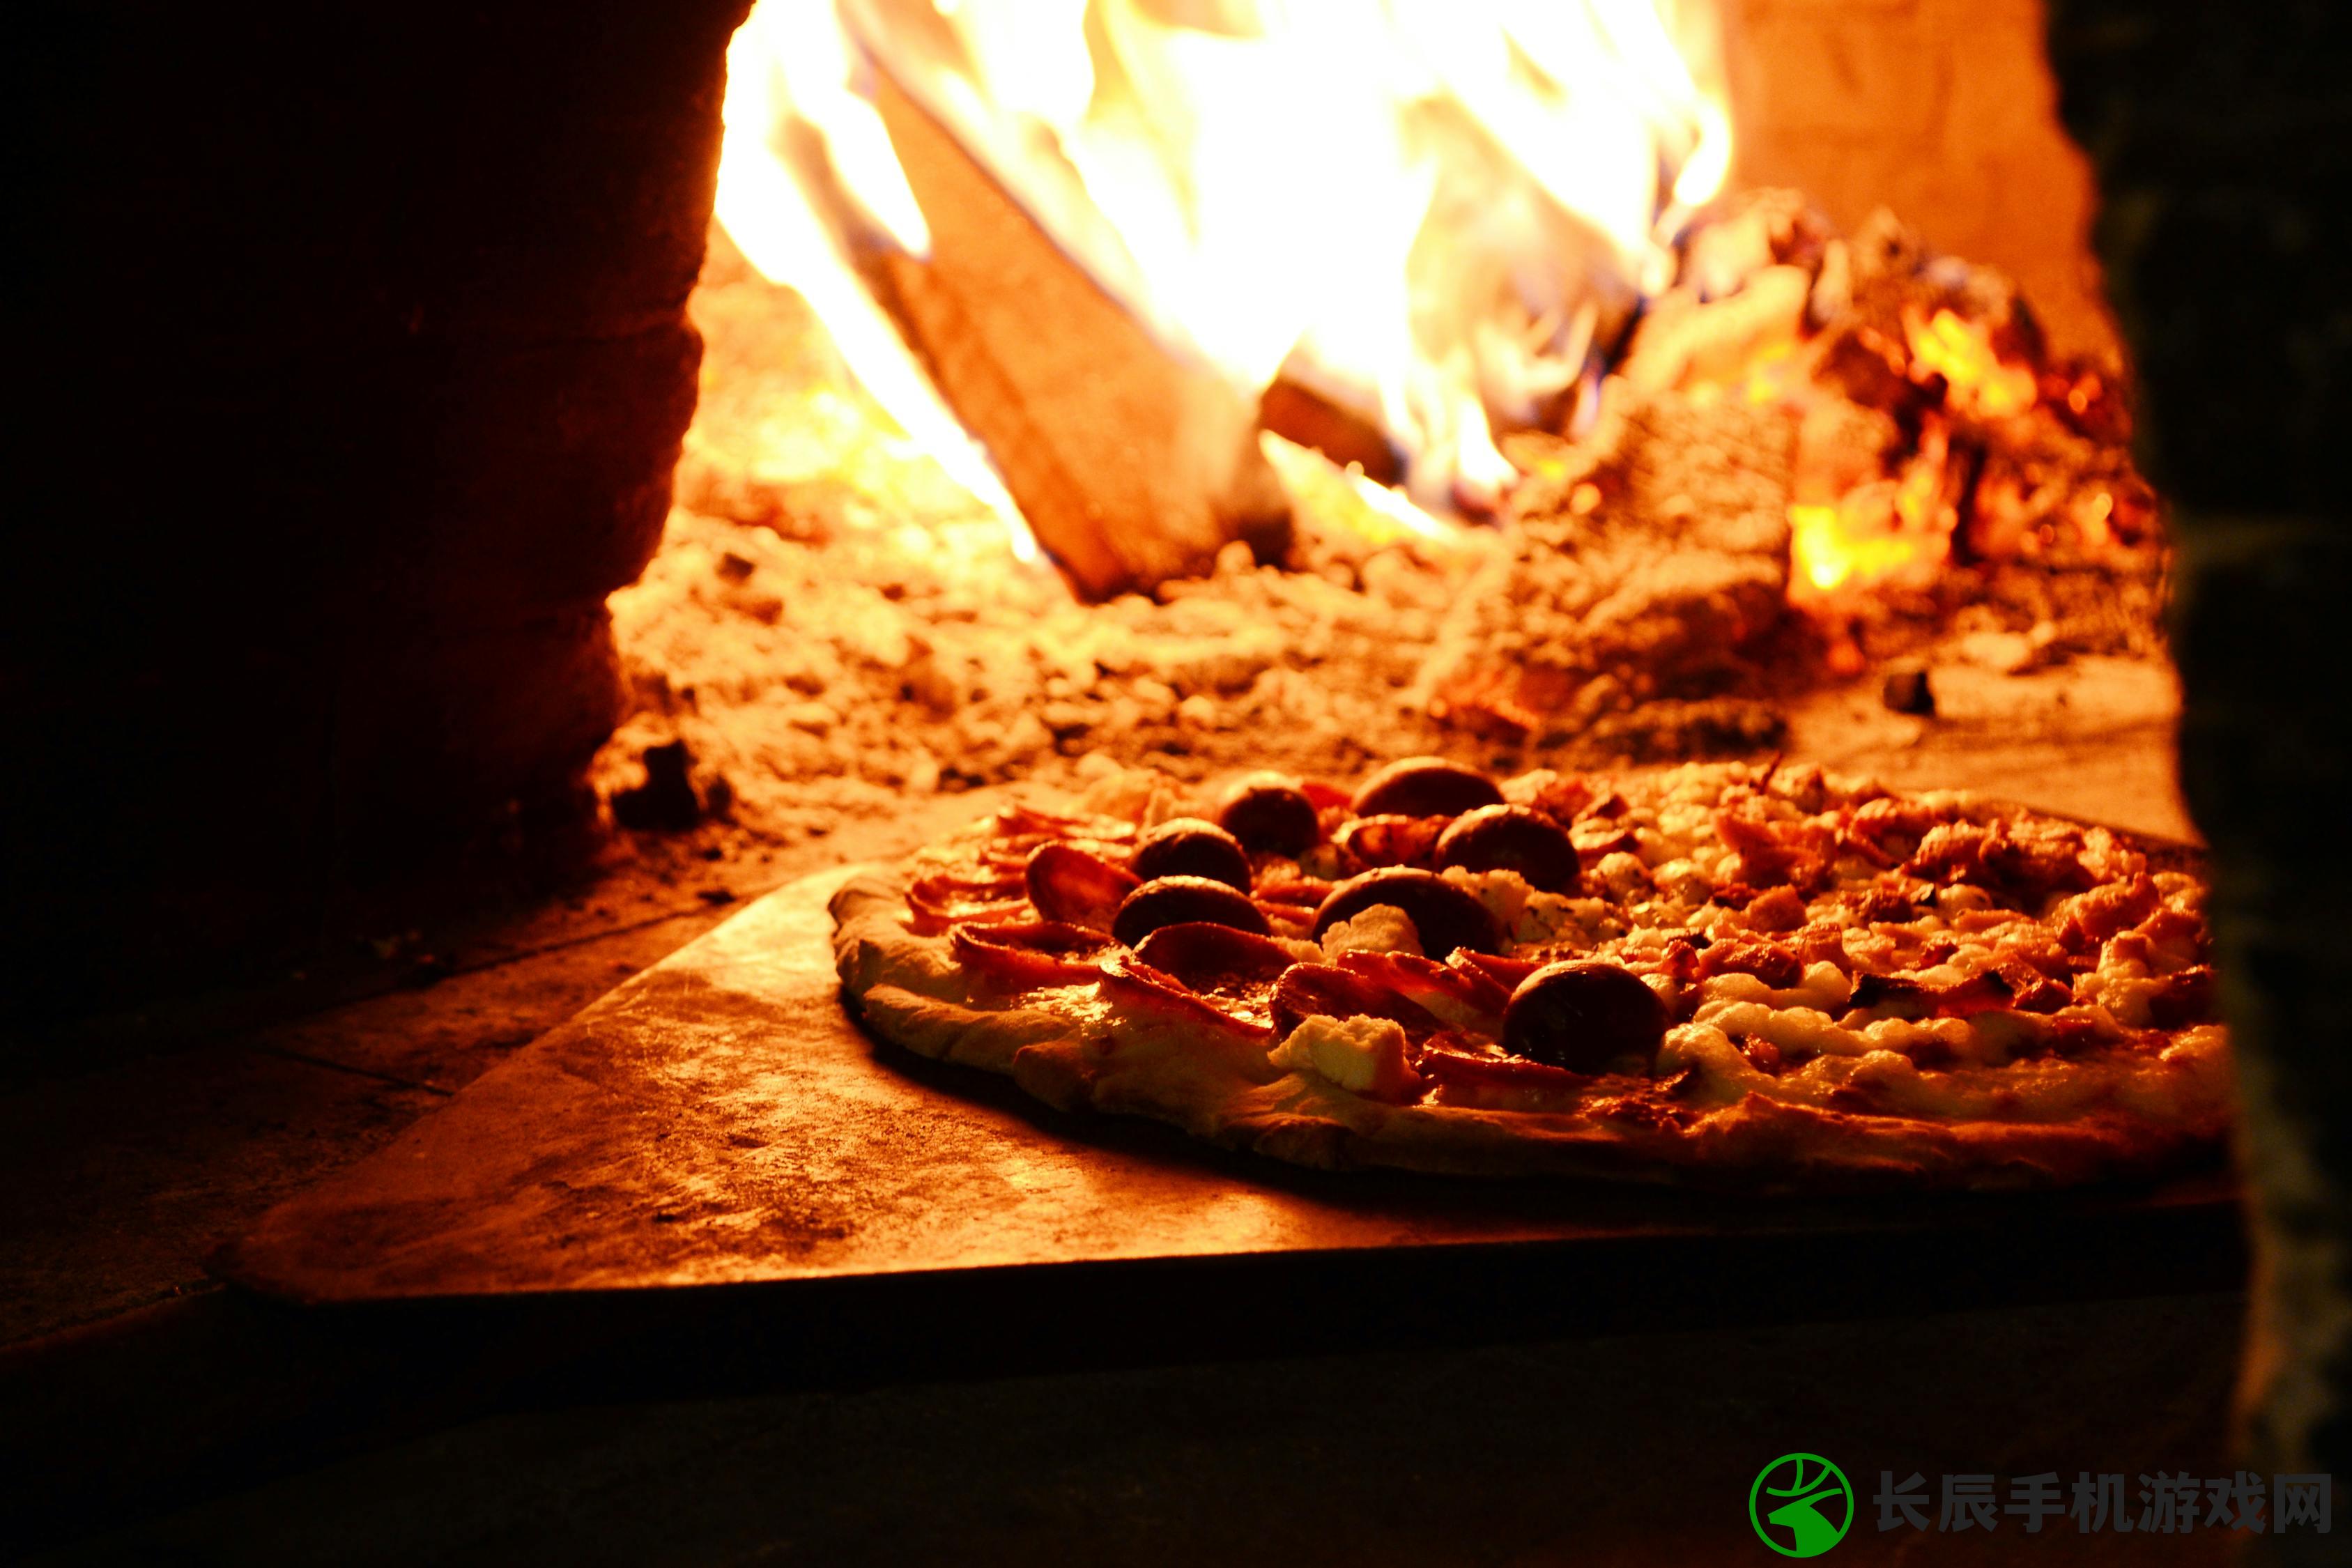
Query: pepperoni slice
(1030, 955)
(1205, 955)
(1017, 819)
(1137, 988)
(1068, 884)
(1449, 1065)
(1505, 972)
(1462, 997)
(1306, 990)
(939, 902)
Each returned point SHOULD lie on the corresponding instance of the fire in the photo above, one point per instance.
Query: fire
(1434, 214)
(1896, 530)
(1981, 382)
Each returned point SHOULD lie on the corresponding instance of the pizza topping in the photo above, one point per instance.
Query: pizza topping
(1362, 1053)
(1388, 839)
(1383, 927)
(1310, 990)
(1466, 1076)
(1583, 1014)
(2026, 861)
(1139, 989)
(2089, 919)
(1444, 916)
(1829, 947)
(1512, 838)
(1779, 909)
(1596, 837)
(1505, 972)
(1770, 962)
(1210, 957)
(1270, 815)
(1069, 884)
(1018, 820)
(1460, 998)
(1188, 847)
(1030, 954)
(1169, 900)
(1424, 786)
(2182, 999)
(1895, 997)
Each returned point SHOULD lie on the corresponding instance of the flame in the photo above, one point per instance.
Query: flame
(789, 71)
(1962, 352)
(1429, 212)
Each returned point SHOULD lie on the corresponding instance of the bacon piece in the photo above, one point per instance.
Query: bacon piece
(1305, 990)
(2031, 990)
(1505, 971)
(2176, 937)
(1206, 957)
(1890, 906)
(1017, 819)
(1068, 883)
(1824, 943)
(1772, 853)
(1137, 988)
(1030, 954)
(1463, 998)
(2025, 861)
(1770, 962)
(1887, 831)
(1388, 839)
(2090, 919)
(1767, 1057)
(1951, 852)
(2183, 999)
(1778, 910)
(1443, 1060)
(940, 901)
(1988, 991)
(1564, 798)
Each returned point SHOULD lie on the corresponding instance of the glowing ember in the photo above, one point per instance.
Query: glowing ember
(1960, 351)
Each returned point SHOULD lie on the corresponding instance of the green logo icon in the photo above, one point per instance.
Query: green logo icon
(1800, 1505)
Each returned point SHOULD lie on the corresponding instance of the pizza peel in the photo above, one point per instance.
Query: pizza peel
(716, 1141)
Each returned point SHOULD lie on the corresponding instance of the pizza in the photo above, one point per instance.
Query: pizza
(1739, 975)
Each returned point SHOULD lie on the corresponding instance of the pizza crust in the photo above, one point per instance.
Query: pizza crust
(907, 989)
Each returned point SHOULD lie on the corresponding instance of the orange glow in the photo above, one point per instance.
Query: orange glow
(1896, 530)
(1776, 371)
(1962, 352)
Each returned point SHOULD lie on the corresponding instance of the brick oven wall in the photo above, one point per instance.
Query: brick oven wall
(1943, 111)
(354, 364)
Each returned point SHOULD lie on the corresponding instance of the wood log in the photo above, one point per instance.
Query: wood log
(1133, 466)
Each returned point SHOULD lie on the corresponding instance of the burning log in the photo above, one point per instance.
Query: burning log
(1132, 465)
